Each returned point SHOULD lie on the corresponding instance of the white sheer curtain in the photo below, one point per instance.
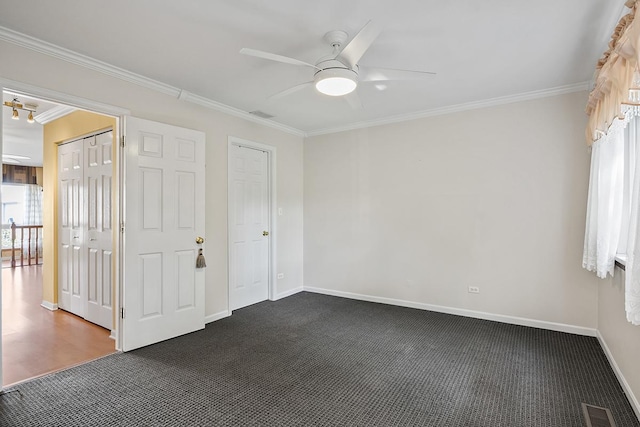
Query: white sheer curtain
(32, 205)
(632, 269)
(613, 209)
(604, 205)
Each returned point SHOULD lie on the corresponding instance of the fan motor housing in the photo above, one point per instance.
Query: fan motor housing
(334, 64)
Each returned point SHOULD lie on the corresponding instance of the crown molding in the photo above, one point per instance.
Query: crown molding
(76, 58)
(457, 108)
(54, 114)
(25, 89)
(214, 105)
(64, 54)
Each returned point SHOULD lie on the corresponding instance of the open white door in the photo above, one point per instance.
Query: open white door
(163, 292)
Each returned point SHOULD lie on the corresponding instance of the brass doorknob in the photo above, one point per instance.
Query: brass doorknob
(265, 233)
(199, 240)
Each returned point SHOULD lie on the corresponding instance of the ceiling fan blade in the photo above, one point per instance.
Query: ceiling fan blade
(370, 74)
(274, 57)
(289, 91)
(353, 51)
(354, 100)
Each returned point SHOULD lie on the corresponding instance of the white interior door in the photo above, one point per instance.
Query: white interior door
(163, 292)
(70, 227)
(248, 226)
(98, 173)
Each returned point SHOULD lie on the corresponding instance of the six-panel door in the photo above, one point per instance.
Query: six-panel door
(249, 226)
(163, 292)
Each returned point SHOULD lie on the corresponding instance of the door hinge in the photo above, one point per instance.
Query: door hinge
(122, 141)
(122, 312)
(122, 227)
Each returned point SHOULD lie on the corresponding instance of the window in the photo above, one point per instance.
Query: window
(22, 205)
(13, 203)
(612, 231)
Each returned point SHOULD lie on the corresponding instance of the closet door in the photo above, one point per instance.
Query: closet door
(71, 295)
(98, 172)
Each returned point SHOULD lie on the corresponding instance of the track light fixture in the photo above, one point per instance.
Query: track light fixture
(15, 105)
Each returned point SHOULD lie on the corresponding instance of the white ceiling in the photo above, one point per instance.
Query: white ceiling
(479, 49)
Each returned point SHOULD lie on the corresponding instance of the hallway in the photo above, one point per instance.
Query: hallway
(36, 341)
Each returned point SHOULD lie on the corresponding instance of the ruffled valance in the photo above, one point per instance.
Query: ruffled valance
(616, 94)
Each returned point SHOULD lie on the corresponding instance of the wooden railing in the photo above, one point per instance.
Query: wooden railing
(34, 255)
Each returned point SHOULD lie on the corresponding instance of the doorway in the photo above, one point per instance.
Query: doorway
(161, 161)
(32, 324)
(250, 225)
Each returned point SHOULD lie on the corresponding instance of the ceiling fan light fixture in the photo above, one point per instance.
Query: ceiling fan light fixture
(15, 115)
(30, 117)
(336, 81)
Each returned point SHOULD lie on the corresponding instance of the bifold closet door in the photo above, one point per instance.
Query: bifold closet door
(98, 172)
(71, 295)
(85, 229)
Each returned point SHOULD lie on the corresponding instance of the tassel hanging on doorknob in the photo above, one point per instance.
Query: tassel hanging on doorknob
(200, 261)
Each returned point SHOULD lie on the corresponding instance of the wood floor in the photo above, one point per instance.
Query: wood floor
(36, 341)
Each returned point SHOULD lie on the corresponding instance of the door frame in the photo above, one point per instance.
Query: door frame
(273, 210)
(119, 113)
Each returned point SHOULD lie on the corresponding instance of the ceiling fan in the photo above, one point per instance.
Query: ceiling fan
(339, 73)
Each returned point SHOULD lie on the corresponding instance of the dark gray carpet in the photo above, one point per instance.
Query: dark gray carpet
(314, 360)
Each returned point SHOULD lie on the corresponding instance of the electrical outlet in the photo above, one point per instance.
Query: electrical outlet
(280, 275)
(474, 290)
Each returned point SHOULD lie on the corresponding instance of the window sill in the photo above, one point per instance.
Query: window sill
(621, 261)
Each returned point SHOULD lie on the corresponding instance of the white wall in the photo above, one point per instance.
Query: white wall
(27, 66)
(621, 338)
(420, 210)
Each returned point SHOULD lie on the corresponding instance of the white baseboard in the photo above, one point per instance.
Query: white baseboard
(621, 379)
(288, 293)
(216, 316)
(560, 327)
(49, 305)
(112, 335)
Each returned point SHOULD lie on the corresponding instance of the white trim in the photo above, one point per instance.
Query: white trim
(113, 334)
(440, 111)
(621, 379)
(64, 54)
(287, 293)
(118, 241)
(273, 211)
(49, 305)
(560, 327)
(54, 114)
(26, 89)
(76, 58)
(215, 105)
(216, 316)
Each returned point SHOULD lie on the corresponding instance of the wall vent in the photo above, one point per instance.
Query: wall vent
(597, 416)
(261, 114)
